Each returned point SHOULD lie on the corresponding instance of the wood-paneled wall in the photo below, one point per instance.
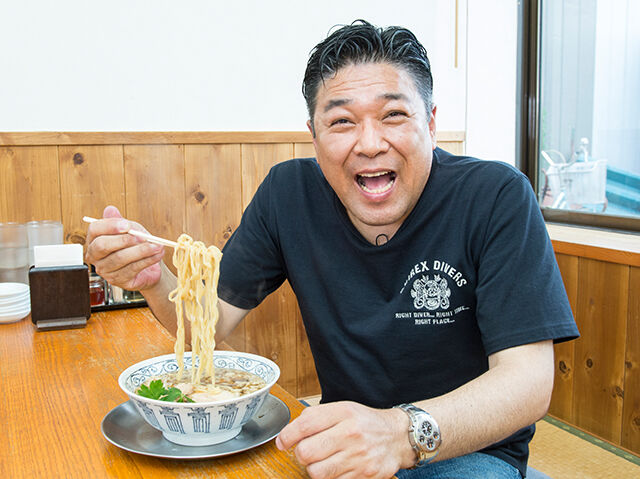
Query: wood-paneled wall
(173, 182)
(597, 380)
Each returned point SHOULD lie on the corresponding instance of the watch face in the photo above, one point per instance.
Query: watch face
(427, 436)
(431, 445)
(426, 428)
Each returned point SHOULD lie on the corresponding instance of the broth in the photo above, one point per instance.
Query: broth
(229, 384)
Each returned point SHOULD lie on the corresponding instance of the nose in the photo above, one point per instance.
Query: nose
(371, 141)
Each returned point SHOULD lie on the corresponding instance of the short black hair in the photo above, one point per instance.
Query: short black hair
(362, 42)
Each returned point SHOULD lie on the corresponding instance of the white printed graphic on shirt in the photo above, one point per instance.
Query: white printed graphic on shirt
(432, 294)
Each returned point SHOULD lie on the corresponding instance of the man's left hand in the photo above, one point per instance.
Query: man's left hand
(349, 440)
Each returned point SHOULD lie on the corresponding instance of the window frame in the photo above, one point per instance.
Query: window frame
(528, 122)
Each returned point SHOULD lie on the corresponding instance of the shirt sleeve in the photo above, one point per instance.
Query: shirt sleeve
(520, 294)
(252, 264)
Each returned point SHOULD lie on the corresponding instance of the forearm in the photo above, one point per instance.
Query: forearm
(157, 298)
(512, 394)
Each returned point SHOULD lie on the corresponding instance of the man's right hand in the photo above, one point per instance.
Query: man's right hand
(122, 259)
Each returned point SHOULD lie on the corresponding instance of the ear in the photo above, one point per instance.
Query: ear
(312, 130)
(432, 127)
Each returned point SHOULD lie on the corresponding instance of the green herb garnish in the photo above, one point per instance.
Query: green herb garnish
(156, 390)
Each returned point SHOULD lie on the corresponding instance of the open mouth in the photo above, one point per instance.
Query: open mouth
(377, 182)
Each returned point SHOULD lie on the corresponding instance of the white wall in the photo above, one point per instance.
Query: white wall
(491, 79)
(133, 65)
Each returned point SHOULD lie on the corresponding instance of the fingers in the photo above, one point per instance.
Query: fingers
(111, 212)
(100, 246)
(312, 421)
(136, 275)
(332, 468)
(128, 256)
(341, 456)
(122, 259)
(319, 446)
(111, 226)
(346, 440)
(108, 235)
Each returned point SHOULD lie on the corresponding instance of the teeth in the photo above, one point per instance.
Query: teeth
(373, 175)
(379, 190)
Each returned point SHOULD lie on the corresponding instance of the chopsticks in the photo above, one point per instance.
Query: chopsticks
(140, 234)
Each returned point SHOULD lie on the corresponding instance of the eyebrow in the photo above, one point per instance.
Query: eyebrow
(394, 96)
(336, 103)
(344, 101)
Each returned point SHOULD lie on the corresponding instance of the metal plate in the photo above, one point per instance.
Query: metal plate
(125, 428)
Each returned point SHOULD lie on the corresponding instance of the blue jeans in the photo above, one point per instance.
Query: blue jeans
(472, 466)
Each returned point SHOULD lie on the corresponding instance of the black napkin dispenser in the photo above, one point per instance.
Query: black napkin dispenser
(59, 297)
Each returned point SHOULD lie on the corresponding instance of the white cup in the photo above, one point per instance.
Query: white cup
(14, 253)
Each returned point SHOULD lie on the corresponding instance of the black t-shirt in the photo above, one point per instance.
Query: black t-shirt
(470, 272)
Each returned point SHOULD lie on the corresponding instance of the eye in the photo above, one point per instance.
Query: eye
(396, 114)
(340, 121)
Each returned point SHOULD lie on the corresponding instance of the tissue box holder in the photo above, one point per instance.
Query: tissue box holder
(59, 297)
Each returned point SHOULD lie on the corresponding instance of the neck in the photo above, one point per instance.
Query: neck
(376, 235)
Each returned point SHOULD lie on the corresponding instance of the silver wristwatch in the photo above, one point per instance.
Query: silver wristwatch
(424, 433)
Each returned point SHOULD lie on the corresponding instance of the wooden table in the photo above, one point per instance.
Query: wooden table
(57, 387)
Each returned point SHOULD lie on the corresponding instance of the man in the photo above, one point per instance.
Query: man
(423, 278)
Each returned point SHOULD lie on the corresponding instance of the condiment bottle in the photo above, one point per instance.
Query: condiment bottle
(96, 288)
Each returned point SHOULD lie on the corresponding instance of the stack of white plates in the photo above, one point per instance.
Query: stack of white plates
(15, 302)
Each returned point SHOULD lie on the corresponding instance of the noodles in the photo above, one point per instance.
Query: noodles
(196, 297)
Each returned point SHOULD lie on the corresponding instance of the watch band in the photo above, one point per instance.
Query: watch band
(424, 433)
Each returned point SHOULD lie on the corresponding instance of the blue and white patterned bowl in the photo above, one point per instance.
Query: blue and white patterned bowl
(203, 423)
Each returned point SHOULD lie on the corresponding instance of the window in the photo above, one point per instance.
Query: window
(580, 137)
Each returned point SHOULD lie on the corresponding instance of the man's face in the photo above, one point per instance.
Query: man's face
(374, 143)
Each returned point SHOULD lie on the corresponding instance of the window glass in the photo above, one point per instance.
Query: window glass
(589, 156)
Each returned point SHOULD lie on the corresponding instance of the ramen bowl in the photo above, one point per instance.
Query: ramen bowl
(200, 423)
